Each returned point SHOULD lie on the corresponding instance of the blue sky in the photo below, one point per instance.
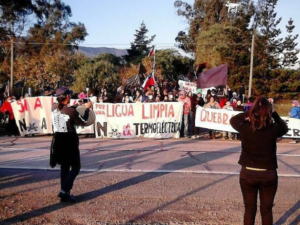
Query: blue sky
(112, 23)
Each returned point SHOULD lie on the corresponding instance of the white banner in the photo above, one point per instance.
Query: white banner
(33, 115)
(187, 86)
(151, 120)
(218, 119)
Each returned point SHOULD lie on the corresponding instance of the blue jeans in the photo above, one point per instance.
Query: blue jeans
(263, 182)
(186, 124)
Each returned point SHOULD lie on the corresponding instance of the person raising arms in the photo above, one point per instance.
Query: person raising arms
(259, 129)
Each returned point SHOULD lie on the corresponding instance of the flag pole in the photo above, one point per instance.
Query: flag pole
(153, 68)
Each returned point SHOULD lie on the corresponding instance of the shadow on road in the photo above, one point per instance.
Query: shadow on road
(180, 164)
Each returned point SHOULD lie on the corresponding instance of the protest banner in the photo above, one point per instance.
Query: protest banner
(187, 86)
(150, 120)
(218, 119)
(33, 115)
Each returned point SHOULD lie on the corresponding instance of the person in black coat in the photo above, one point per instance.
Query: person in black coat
(65, 142)
(259, 129)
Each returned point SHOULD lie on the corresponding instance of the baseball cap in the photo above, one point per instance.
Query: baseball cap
(63, 91)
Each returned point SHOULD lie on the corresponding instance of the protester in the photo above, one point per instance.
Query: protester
(138, 97)
(212, 104)
(127, 98)
(294, 113)
(186, 110)
(65, 142)
(227, 107)
(150, 97)
(170, 98)
(157, 98)
(10, 125)
(100, 99)
(234, 96)
(258, 158)
(250, 102)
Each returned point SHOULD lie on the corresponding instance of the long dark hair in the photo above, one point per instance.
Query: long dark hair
(60, 99)
(260, 114)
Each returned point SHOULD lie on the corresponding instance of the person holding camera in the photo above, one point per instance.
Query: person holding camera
(65, 142)
(259, 129)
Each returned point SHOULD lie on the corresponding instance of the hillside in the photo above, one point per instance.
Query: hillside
(92, 52)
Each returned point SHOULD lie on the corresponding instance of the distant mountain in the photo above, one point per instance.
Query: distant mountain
(92, 52)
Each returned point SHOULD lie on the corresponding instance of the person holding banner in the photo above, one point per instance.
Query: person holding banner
(10, 126)
(65, 142)
(258, 158)
(186, 110)
(212, 104)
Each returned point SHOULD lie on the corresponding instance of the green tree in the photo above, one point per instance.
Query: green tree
(172, 64)
(290, 53)
(93, 72)
(139, 47)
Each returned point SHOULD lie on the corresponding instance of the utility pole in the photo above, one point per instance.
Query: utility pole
(11, 66)
(251, 66)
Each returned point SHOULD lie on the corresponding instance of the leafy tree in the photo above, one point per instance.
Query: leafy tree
(268, 44)
(172, 64)
(139, 47)
(290, 58)
(93, 72)
(48, 71)
(52, 34)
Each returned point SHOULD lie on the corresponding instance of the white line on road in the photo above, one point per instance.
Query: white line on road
(145, 171)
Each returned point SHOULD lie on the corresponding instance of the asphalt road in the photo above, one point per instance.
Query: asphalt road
(142, 181)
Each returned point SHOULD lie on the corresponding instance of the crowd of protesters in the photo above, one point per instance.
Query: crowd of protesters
(220, 97)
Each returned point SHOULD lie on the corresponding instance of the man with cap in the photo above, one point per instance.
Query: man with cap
(65, 143)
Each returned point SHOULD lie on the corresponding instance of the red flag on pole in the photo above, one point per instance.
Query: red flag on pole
(213, 77)
(148, 82)
(152, 52)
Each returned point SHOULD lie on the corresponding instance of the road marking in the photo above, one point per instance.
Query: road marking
(144, 171)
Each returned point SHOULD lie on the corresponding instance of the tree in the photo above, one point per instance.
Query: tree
(217, 37)
(172, 64)
(269, 45)
(290, 58)
(51, 35)
(93, 72)
(139, 47)
(48, 71)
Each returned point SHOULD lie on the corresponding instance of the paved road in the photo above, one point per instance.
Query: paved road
(144, 181)
(181, 155)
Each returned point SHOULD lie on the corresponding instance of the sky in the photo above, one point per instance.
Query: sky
(113, 23)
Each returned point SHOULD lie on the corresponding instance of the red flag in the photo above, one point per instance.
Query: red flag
(213, 77)
(148, 82)
(152, 52)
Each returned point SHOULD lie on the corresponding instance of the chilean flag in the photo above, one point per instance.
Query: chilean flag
(148, 82)
(152, 52)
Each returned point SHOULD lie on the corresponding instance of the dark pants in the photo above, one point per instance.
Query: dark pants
(68, 173)
(263, 182)
(11, 127)
(66, 153)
